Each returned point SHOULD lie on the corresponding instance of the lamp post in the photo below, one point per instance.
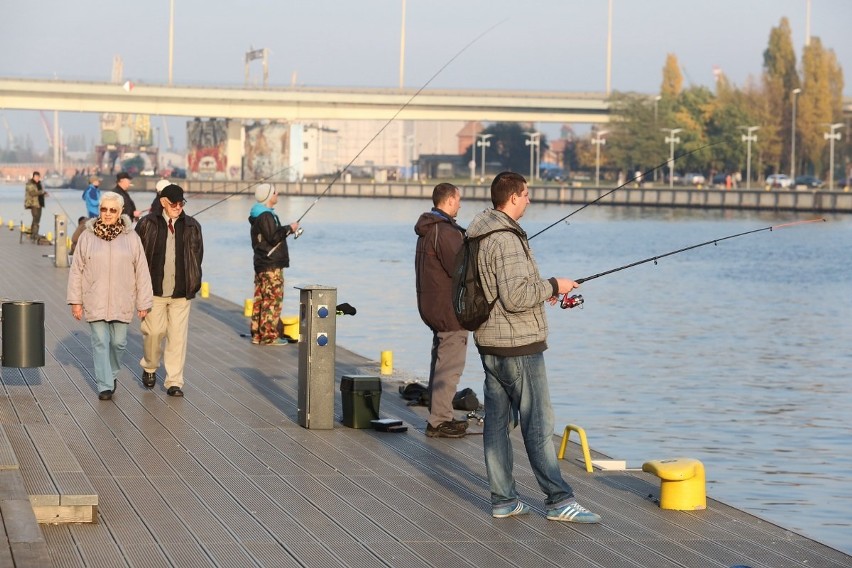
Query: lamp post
(656, 102)
(671, 140)
(831, 137)
(597, 141)
(483, 143)
(795, 93)
(533, 142)
(749, 138)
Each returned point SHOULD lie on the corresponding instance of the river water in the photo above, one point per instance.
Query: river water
(736, 354)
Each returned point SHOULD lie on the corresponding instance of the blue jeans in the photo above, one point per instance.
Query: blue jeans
(517, 386)
(109, 340)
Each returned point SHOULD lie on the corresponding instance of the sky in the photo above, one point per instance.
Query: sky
(538, 45)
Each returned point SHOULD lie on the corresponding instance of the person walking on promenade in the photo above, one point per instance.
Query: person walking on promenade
(511, 344)
(439, 238)
(109, 280)
(92, 196)
(122, 187)
(34, 201)
(174, 249)
(271, 257)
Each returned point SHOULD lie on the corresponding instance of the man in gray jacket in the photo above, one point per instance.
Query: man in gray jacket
(511, 344)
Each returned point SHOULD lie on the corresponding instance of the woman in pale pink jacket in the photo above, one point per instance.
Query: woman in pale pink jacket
(109, 281)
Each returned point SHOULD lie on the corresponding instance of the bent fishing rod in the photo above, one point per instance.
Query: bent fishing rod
(402, 108)
(577, 300)
(628, 182)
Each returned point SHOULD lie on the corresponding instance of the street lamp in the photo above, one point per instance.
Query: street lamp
(483, 143)
(533, 143)
(656, 102)
(597, 141)
(671, 140)
(832, 136)
(749, 137)
(793, 145)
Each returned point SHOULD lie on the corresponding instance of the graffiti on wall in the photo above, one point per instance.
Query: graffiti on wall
(267, 151)
(206, 149)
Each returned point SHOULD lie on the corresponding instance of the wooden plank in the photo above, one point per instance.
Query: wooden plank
(66, 514)
(37, 480)
(20, 522)
(8, 460)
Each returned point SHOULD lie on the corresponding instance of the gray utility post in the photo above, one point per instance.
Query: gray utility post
(317, 339)
(749, 138)
(831, 137)
(671, 140)
(60, 242)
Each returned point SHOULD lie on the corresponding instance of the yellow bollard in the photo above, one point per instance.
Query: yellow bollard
(68, 243)
(249, 307)
(205, 289)
(291, 326)
(682, 483)
(49, 236)
(11, 225)
(387, 362)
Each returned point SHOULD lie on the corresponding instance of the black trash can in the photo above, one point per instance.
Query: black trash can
(23, 334)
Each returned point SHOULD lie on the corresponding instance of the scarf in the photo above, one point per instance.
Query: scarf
(107, 232)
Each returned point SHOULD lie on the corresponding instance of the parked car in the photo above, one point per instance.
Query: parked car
(693, 179)
(778, 181)
(808, 182)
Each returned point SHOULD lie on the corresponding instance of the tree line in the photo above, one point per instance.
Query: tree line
(712, 123)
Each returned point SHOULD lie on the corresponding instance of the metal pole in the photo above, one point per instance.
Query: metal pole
(171, 38)
(609, 50)
(831, 137)
(402, 48)
(672, 140)
(793, 145)
(749, 138)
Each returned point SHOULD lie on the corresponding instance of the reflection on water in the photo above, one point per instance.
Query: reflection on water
(736, 354)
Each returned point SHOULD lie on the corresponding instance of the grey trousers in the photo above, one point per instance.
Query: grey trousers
(449, 350)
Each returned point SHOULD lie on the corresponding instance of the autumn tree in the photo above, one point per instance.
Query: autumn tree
(779, 79)
(672, 77)
(820, 105)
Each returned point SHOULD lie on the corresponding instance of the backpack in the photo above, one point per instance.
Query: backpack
(469, 303)
(465, 399)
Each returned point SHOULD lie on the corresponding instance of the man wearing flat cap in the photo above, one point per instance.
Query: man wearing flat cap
(174, 249)
(122, 186)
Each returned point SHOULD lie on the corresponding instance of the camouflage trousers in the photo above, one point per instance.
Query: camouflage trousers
(268, 297)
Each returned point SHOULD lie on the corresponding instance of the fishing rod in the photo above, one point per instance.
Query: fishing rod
(631, 180)
(402, 108)
(240, 192)
(577, 300)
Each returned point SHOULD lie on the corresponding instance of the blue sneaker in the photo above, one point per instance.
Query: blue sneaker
(573, 513)
(510, 510)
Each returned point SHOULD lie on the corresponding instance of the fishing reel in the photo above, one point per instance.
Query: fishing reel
(298, 233)
(571, 301)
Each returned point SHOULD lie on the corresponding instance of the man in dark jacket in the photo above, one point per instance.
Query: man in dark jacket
(174, 249)
(271, 257)
(34, 201)
(122, 186)
(439, 239)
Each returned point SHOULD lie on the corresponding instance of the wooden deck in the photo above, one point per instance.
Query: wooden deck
(227, 477)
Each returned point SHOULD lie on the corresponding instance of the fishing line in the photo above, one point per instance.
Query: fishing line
(655, 258)
(402, 108)
(631, 180)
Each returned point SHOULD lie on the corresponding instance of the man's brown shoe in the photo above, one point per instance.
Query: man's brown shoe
(446, 430)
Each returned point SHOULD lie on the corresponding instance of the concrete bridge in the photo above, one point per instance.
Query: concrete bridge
(303, 103)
